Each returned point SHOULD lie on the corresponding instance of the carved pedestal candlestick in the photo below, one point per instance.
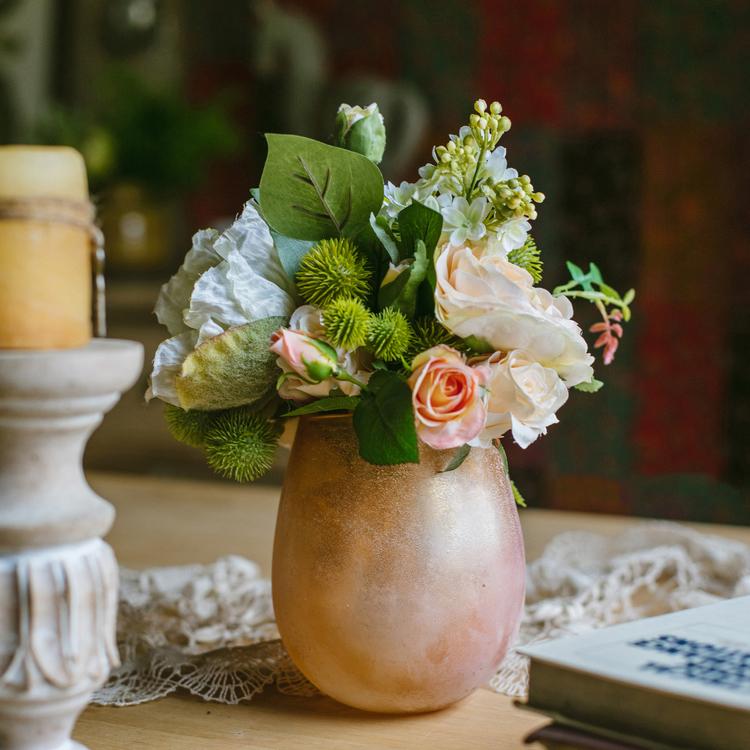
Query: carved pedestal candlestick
(58, 579)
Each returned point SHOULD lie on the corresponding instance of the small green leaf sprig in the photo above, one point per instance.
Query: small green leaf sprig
(613, 307)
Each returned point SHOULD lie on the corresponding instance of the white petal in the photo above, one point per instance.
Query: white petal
(250, 236)
(167, 366)
(174, 297)
(232, 294)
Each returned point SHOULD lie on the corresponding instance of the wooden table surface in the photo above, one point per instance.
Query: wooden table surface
(173, 522)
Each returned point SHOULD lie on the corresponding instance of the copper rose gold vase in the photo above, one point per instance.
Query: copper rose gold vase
(398, 588)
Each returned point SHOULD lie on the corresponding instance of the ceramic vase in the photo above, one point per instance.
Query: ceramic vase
(396, 588)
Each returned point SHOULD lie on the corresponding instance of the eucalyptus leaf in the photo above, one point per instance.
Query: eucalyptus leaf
(290, 251)
(234, 368)
(457, 459)
(384, 421)
(312, 191)
(332, 403)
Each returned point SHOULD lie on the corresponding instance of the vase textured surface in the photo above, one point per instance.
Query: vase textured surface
(396, 588)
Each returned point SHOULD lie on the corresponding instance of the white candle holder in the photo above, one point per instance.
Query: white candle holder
(58, 579)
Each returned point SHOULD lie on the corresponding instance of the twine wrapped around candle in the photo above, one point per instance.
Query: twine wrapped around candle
(75, 213)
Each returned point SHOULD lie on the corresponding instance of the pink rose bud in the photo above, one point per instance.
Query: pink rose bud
(448, 398)
(312, 359)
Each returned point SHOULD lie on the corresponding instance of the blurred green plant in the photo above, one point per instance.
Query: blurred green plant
(139, 134)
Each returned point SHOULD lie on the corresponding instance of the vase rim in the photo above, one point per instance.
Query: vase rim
(328, 415)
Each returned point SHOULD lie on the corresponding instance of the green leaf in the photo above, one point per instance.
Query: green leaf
(503, 455)
(384, 421)
(332, 403)
(234, 368)
(592, 386)
(629, 297)
(594, 273)
(290, 251)
(576, 273)
(313, 191)
(417, 222)
(457, 459)
(381, 232)
(401, 293)
(609, 291)
(517, 496)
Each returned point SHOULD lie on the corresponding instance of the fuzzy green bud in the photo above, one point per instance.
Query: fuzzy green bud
(361, 129)
(389, 334)
(241, 445)
(331, 269)
(346, 320)
(189, 426)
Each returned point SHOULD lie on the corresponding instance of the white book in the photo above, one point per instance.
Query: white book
(679, 680)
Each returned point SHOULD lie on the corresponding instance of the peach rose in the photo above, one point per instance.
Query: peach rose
(448, 398)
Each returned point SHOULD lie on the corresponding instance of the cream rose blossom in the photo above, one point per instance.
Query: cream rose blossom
(482, 294)
(523, 398)
(448, 398)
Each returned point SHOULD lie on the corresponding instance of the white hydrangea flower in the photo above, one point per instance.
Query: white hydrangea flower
(463, 220)
(496, 166)
(396, 199)
(512, 234)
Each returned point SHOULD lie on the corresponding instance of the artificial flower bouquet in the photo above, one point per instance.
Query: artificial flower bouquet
(417, 308)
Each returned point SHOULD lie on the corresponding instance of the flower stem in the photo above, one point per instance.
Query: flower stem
(348, 378)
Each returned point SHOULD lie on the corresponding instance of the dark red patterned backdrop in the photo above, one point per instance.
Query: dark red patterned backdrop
(632, 116)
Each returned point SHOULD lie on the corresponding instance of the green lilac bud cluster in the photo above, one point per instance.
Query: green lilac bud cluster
(512, 199)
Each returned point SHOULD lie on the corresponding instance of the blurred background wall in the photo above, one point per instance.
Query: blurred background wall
(631, 115)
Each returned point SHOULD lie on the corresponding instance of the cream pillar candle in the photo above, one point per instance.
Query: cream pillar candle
(45, 251)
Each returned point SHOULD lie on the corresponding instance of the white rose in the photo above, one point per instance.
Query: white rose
(308, 319)
(483, 295)
(523, 398)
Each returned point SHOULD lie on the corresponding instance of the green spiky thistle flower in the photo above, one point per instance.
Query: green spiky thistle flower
(241, 445)
(529, 258)
(188, 426)
(346, 320)
(332, 269)
(426, 333)
(389, 334)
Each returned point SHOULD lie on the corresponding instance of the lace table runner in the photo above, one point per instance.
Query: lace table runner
(210, 628)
